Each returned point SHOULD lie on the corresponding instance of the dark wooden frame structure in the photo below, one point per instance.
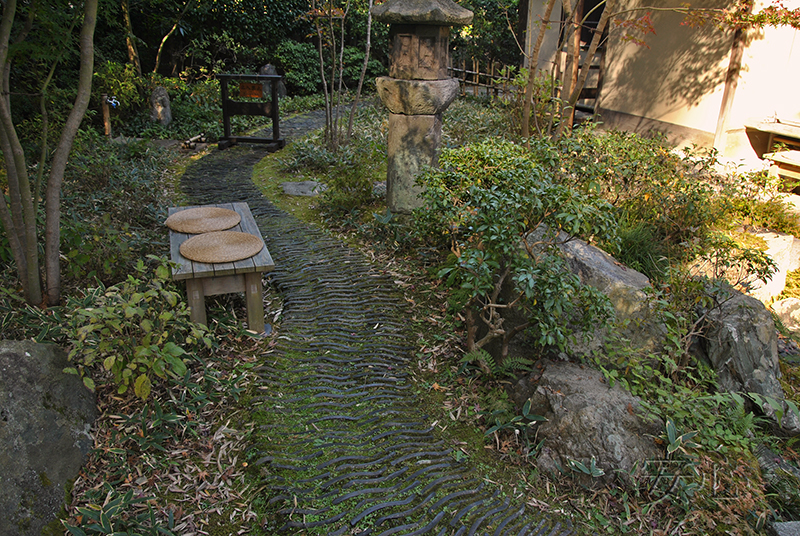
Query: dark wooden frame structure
(269, 108)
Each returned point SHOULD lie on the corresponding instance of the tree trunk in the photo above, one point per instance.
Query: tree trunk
(130, 43)
(320, 44)
(731, 82)
(22, 215)
(339, 90)
(570, 74)
(169, 34)
(59, 164)
(593, 46)
(363, 73)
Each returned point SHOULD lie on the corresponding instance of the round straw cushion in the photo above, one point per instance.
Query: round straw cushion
(221, 246)
(202, 220)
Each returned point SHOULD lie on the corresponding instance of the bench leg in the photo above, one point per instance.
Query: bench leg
(196, 298)
(255, 303)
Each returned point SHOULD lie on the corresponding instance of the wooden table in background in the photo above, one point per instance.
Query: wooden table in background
(209, 279)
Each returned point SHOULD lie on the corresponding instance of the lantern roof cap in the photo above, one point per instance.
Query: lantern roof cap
(434, 12)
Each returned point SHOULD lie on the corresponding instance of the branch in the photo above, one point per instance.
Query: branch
(169, 34)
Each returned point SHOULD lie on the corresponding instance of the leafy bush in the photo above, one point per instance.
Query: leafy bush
(300, 64)
(755, 200)
(110, 512)
(113, 208)
(502, 215)
(135, 330)
(645, 180)
(472, 120)
(121, 81)
(354, 62)
(545, 107)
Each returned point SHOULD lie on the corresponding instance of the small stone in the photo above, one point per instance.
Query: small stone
(303, 188)
(788, 528)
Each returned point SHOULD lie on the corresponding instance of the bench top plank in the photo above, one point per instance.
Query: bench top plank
(188, 269)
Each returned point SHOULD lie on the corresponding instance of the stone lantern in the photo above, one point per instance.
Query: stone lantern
(417, 90)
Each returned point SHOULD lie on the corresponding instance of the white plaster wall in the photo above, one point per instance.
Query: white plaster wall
(547, 53)
(679, 79)
(769, 83)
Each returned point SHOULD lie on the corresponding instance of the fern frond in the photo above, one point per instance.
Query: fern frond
(516, 363)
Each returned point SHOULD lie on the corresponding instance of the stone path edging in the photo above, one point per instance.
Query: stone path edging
(344, 448)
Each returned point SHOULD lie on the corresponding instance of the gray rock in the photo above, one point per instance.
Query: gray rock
(625, 289)
(303, 188)
(787, 528)
(45, 419)
(788, 311)
(587, 419)
(379, 189)
(417, 97)
(741, 343)
(441, 12)
(160, 111)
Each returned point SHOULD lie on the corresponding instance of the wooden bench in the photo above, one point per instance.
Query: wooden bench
(204, 279)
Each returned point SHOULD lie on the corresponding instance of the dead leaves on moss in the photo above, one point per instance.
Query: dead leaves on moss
(196, 473)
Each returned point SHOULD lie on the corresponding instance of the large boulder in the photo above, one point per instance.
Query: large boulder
(626, 290)
(45, 420)
(740, 341)
(588, 419)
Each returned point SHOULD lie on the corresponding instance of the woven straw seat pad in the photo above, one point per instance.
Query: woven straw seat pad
(202, 220)
(221, 246)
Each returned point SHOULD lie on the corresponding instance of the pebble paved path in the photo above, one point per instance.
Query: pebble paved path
(343, 448)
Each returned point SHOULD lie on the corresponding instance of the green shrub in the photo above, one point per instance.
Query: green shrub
(354, 62)
(545, 108)
(300, 64)
(121, 81)
(137, 331)
(501, 214)
(113, 208)
(766, 213)
(472, 120)
(350, 170)
(646, 181)
(95, 249)
(109, 512)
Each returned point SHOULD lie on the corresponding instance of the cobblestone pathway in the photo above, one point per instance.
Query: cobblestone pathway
(344, 448)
